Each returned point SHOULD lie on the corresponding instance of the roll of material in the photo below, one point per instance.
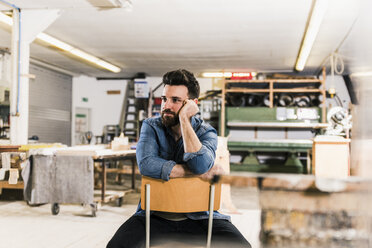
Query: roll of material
(302, 101)
(254, 100)
(266, 100)
(237, 100)
(314, 99)
(285, 100)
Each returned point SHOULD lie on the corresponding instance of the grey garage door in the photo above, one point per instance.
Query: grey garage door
(50, 105)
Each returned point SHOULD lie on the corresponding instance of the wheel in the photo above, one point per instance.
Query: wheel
(93, 206)
(119, 201)
(55, 208)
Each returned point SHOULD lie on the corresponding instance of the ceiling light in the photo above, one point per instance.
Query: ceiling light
(317, 14)
(108, 66)
(217, 74)
(54, 42)
(66, 47)
(229, 74)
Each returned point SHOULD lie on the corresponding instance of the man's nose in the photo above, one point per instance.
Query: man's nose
(167, 104)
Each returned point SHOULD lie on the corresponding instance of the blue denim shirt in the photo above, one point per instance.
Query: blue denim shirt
(158, 152)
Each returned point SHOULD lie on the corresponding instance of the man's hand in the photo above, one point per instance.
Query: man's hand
(215, 170)
(189, 109)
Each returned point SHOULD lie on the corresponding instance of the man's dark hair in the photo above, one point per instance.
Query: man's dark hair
(183, 77)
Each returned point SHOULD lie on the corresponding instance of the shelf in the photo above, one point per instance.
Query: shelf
(6, 185)
(278, 124)
(276, 81)
(240, 90)
(271, 87)
(297, 90)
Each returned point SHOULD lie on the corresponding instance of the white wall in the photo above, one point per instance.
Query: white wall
(105, 109)
(339, 84)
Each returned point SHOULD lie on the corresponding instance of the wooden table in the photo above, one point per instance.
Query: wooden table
(103, 156)
(115, 156)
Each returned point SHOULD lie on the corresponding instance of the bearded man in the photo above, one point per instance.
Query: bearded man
(177, 144)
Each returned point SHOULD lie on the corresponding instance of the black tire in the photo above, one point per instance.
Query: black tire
(55, 208)
(119, 201)
(94, 209)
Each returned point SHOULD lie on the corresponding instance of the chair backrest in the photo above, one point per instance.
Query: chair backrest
(179, 195)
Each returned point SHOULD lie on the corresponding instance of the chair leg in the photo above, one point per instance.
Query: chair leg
(147, 215)
(210, 222)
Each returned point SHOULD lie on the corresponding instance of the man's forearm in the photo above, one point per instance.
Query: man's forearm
(180, 170)
(191, 142)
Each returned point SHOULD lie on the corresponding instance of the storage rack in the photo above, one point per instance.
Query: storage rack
(267, 118)
(271, 91)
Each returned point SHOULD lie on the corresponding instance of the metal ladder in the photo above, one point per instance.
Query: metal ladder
(129, 113)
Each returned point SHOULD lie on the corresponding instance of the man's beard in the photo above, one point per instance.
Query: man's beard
(169, 121)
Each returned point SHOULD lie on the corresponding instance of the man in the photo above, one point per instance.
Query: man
(177, 144)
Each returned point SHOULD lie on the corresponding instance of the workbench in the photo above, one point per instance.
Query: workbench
(104, 156)
(50, 171)
(293, 146)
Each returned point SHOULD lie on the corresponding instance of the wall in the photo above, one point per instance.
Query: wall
(361, 144)
(104, 109)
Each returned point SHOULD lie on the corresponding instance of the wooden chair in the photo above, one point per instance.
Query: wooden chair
(179, 195)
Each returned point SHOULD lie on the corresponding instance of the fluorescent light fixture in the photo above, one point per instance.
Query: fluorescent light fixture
(241, 74)
(217, 74)
(67, 48)
(54, 42)
(108, 66)
(362, 74)
(228, 74)
(312, 30)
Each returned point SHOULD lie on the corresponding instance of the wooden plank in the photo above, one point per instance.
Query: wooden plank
(298, 90)
(271, 96)
(6, 185)
(245, 90)
(223, 111)
(113, 92)
(276, 81)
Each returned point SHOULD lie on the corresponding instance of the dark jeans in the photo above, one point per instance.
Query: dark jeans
(132, 233)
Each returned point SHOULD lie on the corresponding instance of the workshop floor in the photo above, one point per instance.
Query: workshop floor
(23, 226)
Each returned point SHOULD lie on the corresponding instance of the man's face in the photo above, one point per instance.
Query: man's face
(172, 101)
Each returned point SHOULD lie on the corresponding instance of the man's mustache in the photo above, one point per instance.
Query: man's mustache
(168, 111)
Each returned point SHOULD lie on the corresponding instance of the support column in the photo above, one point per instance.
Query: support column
(32, 23)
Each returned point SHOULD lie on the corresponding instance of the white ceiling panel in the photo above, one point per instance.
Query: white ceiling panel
(160, 35)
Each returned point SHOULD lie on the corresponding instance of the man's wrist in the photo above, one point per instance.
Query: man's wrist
(184, 118)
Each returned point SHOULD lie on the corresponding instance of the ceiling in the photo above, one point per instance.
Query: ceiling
(210, 35)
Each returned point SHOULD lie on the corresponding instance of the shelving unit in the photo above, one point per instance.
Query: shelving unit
(266, 116)
(273, 88)
(13, 150)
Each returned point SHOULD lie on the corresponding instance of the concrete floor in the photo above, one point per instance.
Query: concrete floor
(22, 226)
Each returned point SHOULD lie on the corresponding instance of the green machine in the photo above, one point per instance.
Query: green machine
(278, 119)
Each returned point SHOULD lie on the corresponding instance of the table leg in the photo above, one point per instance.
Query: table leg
(133, 173)
(103, 178)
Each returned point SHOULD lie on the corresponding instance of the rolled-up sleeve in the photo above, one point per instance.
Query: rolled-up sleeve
(149, 162)
(201, 161)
